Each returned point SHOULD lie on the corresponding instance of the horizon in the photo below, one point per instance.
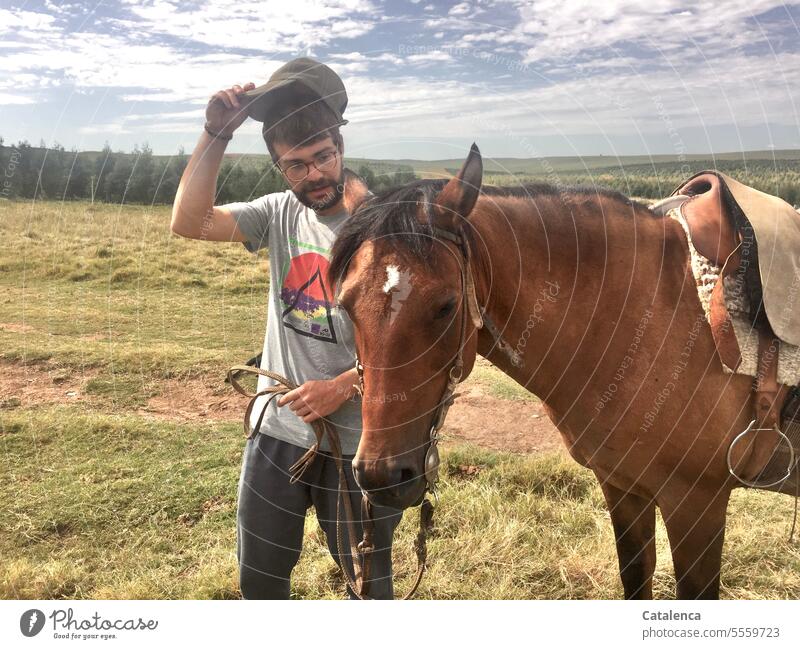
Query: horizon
(698, 155)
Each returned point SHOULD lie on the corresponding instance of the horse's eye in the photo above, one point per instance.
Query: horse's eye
(445, 310)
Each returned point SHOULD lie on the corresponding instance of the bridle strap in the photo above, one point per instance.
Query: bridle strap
(470, 312)
(359, 580)
(322, 428)
(468, 281)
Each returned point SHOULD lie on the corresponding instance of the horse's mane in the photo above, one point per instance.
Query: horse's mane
(392, 215)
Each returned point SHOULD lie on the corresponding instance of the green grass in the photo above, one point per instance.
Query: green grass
(115, 506)
(98, 502)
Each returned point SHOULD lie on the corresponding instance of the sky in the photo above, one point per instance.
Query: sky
(521, 78)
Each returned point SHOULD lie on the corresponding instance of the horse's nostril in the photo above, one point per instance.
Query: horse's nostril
(360, 475)
(406, 476)
(385, 476)
(371, 476)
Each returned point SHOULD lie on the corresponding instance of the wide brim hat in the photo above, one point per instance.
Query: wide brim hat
(299, 82)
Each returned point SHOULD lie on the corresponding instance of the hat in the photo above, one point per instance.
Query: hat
(293, 81)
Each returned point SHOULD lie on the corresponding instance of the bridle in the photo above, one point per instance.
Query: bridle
(470, 311)
(359, 581)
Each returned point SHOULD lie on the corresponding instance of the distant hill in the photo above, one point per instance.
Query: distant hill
(143, 177)
(780, 159)
(566, 164)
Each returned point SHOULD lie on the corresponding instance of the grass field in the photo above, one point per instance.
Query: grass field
(101, 500)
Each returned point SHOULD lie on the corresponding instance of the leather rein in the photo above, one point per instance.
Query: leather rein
(359, 580)
(470, 312)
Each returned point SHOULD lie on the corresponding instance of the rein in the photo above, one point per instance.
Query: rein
(359, 581)
(455, 374)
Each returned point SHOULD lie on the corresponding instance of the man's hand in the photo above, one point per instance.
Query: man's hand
(225, 112)
(315, 399)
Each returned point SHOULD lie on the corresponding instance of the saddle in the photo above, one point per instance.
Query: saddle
(719, 210)
(754, 238)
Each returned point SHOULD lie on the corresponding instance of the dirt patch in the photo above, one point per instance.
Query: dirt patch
(475, 417)
(16, 328)
(196, 400)
(39, 383)
(30, 385)
(500, 424)
(465, 471)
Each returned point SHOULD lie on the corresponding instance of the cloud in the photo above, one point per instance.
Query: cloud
(433, 56)
(270, 25)
(608, 103)
(383, 57)
(156, 71)
(551, 29)
(26, 23)
(460, 9)
(8, 99)
(108, 128)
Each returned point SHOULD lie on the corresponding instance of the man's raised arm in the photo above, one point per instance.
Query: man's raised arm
(193, 213)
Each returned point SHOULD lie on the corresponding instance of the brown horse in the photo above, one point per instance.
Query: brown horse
(589, 303)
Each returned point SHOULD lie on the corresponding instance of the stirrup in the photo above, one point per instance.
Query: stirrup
(756, 485)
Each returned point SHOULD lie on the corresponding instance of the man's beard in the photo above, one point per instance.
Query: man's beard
(328, 200)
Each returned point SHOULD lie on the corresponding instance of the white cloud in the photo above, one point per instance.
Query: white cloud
(108, 128)
(177, 115)
(611, 103)
(9, 99)
(430, 57)
(270, 25)
(550, 29)
(26, 23)
(369, 61)
(90, 60)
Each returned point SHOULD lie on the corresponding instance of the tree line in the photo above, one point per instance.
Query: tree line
(53, 173)
(779, 177)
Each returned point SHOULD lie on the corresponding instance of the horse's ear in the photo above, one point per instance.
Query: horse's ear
(456, 200)
(355, 191)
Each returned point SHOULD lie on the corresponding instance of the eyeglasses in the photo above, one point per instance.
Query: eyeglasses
(298, 171)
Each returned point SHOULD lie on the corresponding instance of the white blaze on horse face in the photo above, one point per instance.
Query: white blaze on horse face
(398, 283)
(393, 273)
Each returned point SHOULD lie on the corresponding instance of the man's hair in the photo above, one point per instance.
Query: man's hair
(300, 124)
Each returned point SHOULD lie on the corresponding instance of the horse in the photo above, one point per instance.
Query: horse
(582, 296)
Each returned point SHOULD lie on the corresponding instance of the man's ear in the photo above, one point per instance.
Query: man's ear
(355, 191)
(454, 203)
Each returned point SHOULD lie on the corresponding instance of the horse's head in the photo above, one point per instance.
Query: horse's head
(398, 266)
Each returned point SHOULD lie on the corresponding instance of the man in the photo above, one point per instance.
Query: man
(307, 339)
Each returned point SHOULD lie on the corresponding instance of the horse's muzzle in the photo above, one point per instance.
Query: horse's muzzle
(389, 483)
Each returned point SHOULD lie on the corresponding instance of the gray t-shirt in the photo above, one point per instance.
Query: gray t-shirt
(307, 337)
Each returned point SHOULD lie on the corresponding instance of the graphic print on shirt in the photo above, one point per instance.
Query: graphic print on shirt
(305, 297)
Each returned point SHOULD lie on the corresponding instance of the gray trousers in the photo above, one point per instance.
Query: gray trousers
(271, 514)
